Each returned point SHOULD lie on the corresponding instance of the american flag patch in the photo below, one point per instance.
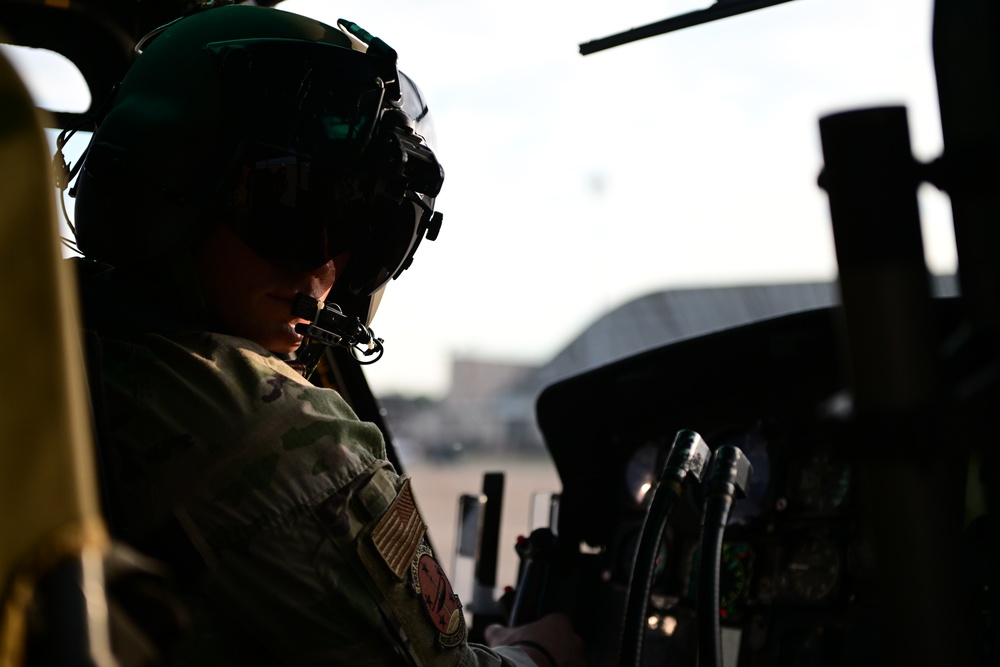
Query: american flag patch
(399, 532)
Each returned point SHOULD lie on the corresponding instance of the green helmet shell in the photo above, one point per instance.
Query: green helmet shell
(152, 163)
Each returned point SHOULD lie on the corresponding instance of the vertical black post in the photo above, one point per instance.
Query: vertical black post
(966, 40)
(967, 63)
(913, 474)
(871, 179)
(486, 566)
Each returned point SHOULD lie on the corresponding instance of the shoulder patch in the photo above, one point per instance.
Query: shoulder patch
(399, 532)
(443, 607)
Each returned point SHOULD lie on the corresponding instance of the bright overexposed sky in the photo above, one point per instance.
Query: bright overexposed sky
(577, 183)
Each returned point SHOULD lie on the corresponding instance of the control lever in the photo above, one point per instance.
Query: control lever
(536, 552)
(485, 609)
(468, 535)
(731, 472)
(688, 457)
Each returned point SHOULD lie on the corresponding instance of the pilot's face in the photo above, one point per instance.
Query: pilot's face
(252, 298)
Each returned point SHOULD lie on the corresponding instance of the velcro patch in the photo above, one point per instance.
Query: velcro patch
(399, 532)
(444, 609)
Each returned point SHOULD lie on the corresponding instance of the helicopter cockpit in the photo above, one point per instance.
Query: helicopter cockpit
(813, 489)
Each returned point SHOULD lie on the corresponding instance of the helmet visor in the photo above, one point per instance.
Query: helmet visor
(298, 215)
(321, 168)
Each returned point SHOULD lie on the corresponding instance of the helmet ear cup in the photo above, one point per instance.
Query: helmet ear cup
(143, 223)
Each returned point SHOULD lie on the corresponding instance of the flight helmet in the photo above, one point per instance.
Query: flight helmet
(305, 139)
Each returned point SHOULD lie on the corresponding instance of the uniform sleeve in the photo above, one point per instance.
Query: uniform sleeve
(515, 655)
(351, 581)
(315, 550)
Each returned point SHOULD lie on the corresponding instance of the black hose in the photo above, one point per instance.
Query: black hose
(660, 508)
(688, 457)
(730, 478)
(717, 508)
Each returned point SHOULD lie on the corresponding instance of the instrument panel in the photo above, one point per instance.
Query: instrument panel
(794, 547)
(796, 582)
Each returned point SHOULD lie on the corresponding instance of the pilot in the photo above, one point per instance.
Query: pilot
(252, 155)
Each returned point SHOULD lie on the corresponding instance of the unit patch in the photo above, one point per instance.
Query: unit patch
(399, 532)
(443, 607)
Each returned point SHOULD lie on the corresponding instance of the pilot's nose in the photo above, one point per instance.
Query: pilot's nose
(325, 275)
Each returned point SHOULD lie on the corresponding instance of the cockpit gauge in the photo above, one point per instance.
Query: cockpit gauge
(735, 574)
(819, 481)
(641, 472)
(734, 585)
(811, 570)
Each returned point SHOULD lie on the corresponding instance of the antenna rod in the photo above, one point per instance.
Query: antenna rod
(720, 10)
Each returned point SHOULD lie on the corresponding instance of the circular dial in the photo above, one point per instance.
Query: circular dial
(641, 472)
(735, 579)
(819, 482)
(735, 573)
(811, 570)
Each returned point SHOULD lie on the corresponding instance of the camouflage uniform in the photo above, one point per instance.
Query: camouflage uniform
(311, 548)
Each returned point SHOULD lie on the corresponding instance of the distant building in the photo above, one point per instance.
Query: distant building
(478, 412)
(491, 406)
(481, 411)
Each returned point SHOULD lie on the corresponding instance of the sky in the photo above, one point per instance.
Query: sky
(575, 184)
